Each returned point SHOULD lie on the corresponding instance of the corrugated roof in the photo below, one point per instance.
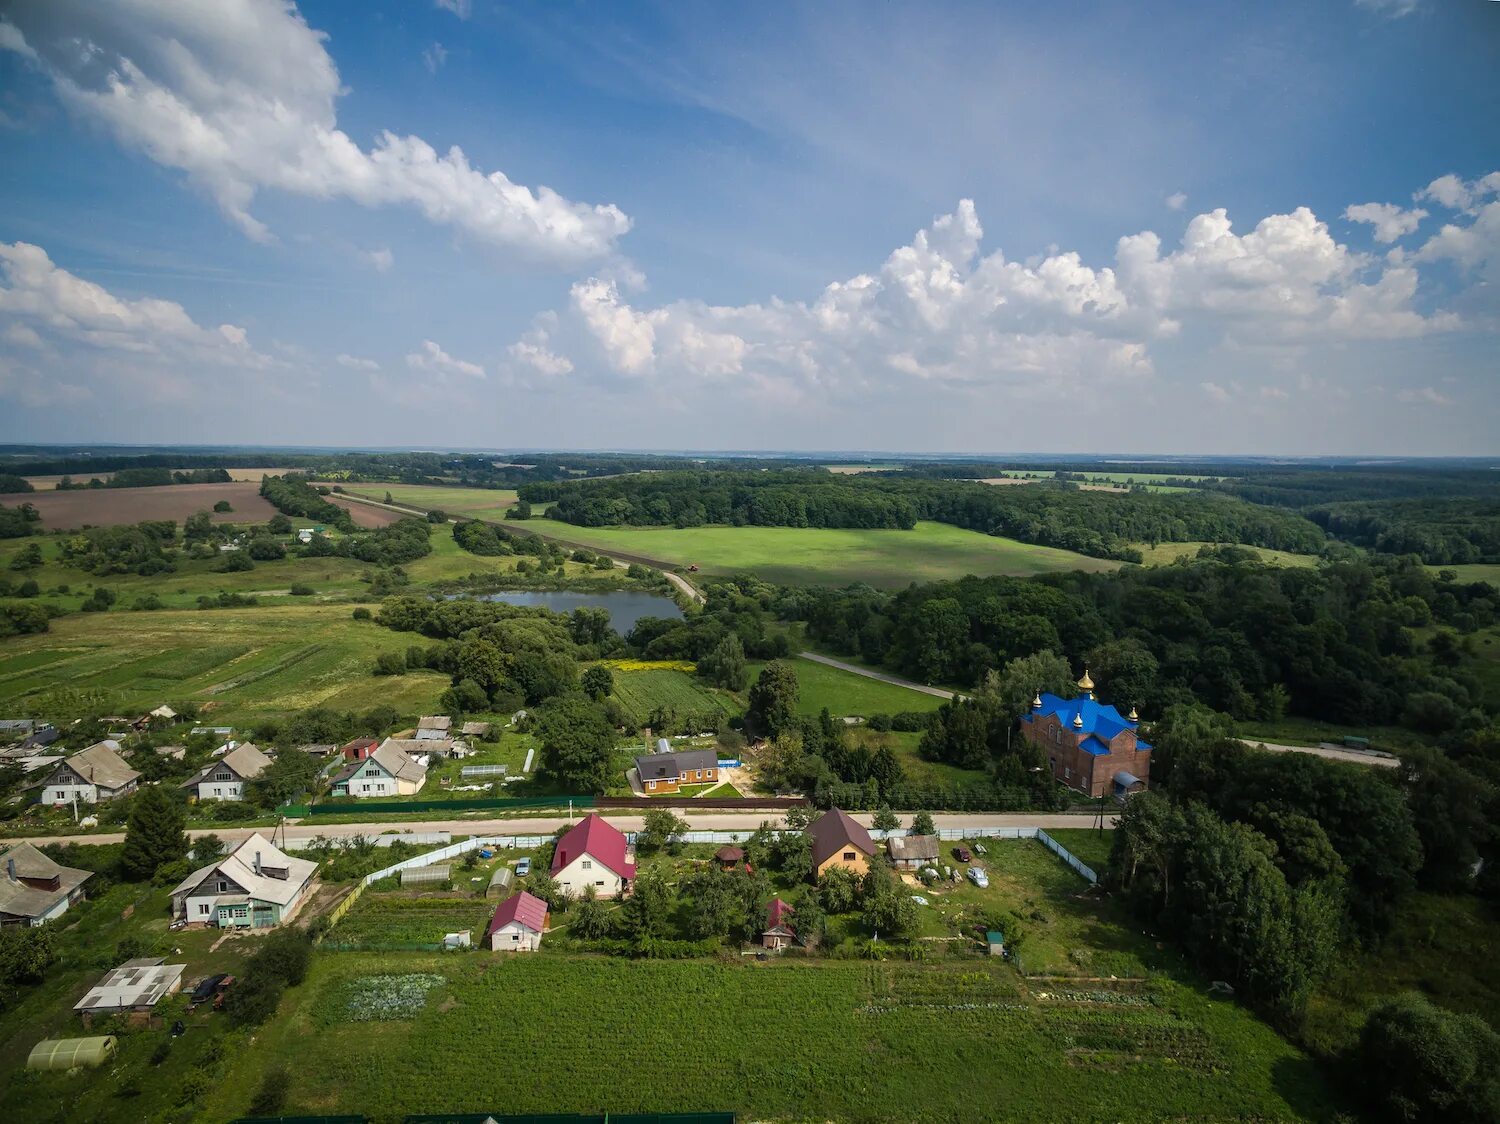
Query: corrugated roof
(597, 839)
(834, 830)
(239, 867)
(20, 900)
(670, 766)
(245, 761)
(521, 908)
(913, 848)
(101, 765)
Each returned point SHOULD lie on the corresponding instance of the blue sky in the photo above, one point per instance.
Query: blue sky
(1196, 228)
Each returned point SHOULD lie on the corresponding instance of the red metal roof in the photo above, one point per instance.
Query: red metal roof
(523, 908)
(777, 913)
(595, 838)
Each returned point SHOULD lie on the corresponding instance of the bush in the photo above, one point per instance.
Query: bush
(390, 663)
(362, 614)
(302, 589)
(234, 562)
(271, 1095)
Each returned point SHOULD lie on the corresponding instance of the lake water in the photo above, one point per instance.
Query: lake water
(624, 607)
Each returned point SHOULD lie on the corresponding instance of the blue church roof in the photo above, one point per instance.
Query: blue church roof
(1099, 719)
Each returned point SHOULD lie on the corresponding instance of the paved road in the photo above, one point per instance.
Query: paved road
(1333, 753)
(880, 675)
(544, 825)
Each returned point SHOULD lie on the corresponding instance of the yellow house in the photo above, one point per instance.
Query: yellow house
(838, 841)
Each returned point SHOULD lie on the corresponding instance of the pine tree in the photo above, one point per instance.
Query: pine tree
(154, 835)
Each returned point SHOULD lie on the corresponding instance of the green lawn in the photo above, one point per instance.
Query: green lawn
(477, 503)
(249, 663)
(641, 693)
(955, 1039)
(1086, 844)
(1473, 572)
(1168, 552)
(800, 556)
(845, 693)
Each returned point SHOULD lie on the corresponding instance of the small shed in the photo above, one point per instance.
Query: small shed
(779, 932)
(995, 941)
(729, 856)
(426, 875)
(908, 852)
(501, 882)
(72, 1053)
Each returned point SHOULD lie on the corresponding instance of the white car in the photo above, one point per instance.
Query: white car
(979, 878)
(523, 868)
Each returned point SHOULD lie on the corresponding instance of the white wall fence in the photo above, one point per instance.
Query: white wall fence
(529, 842)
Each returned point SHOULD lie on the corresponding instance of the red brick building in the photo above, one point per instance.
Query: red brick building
(1091, 748)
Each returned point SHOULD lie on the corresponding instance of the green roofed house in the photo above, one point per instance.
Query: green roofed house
(256, 886)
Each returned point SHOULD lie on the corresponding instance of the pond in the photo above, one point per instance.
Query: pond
(624, 607)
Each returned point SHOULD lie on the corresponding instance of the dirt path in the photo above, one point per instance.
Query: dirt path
(545, 825)
(893, 680)
(1331, 752)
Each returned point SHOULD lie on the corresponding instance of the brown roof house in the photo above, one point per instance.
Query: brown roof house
(90, 775)
(838, 841)
(34, 889)
(908, 852)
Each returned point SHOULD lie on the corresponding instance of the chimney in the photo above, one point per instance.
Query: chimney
(10, 869)
(257, 862)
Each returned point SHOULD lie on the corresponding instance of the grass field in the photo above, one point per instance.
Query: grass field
(247, 663)
(1168, 552)
(798, 556)
(477, 503)
(845, 693)
(1473, 572)
(1086, 844)
(49, 483)
(951, 1040)
(642, 692)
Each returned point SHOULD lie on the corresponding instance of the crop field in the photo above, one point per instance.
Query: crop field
(1168, 552)
(365, 515)
(804, 556)
(477, 503)
(642, 692)
(845, 693)
(841, 1041)
(393, 920)
(49, 483)
(107, 507)
(247, 663)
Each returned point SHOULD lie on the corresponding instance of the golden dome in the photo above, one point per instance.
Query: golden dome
(1037, 702)
(1134, 717)
(1086, 683)
(1078, 720)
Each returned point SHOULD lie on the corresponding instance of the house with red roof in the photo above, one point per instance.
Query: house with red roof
(518, 924)
(593, 853)
(779, 933)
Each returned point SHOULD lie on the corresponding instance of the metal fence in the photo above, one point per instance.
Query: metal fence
(1067, 856)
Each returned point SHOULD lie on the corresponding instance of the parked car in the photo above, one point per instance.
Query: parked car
(979, 878)
(962, 854)
(523, 868)
(206, 989)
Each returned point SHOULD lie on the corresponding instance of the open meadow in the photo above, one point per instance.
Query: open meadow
(805, 556)
(240, 664)
(1164, 554)
(476, 503)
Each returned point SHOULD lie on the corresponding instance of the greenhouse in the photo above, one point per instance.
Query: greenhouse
(70, 1053)
(425, 875)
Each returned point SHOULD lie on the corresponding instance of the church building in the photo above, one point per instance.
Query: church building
(1090, 747)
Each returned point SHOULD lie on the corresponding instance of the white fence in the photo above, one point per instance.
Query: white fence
(528, 842)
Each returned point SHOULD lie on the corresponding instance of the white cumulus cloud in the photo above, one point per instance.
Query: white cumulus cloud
(1390, 221)
(1176, 201)
(434, 360)
(357, 363)
(240, 95)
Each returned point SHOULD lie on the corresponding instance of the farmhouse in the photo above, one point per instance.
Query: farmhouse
(256, 886)
(668, 772)
(595, 854)
(1091, 748)
(518, 924)
(388, 771)
(90, 775)
(225, 778)
(778, 933)
(35, 889)
(136, 985)
(908, 852)
(433, 727)
(475, 729)
(838, 841)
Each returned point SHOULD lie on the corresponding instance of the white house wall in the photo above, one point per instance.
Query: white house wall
(586, 870)
(66, 793)
(221, 790)
(515, 937)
